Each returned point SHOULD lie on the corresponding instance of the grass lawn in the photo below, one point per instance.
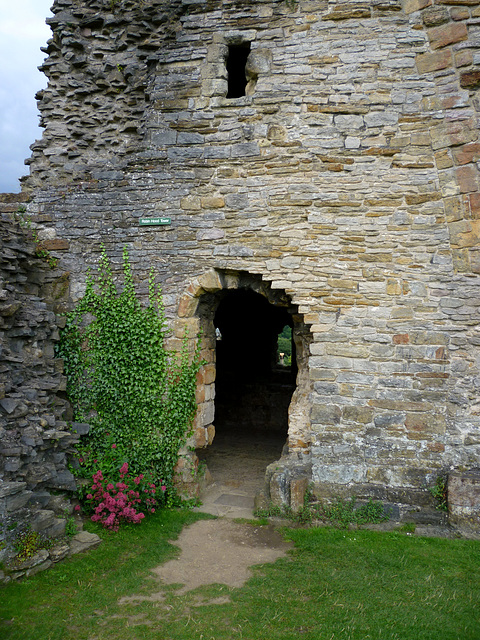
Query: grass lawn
(336, 584)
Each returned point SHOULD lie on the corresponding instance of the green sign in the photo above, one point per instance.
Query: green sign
(149, 222)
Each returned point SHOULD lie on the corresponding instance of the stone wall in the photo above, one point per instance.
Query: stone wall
(34, 438)
(343, 185)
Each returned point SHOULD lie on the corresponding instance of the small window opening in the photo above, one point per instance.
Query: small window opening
(236, 63)
(284, 347)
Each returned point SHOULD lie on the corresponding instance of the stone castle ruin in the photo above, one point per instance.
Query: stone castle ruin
(310, 164)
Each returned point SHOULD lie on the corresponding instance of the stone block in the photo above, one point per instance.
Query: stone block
(191, 203)
(447, 34)
(387, 420)
(11, 488)
(467, 153)
(200, 394)
(361, 414)
(210, 433)
(55, 244)
(279, 488)
(83, 541)
(205, 414)
(245, 149)
(187, 306)
(454, 210)
(467, 177)
(59, 552)
(348, 11)
(17, 501)
(200, 438)
(401, 313)
(464, 499)
(9, 404)
(326, 414)
(463, 59)
(210, 234)
(259, 61)
(64, 479)
(38, 558)
(459, 13)
(57, 529)
(348, 122)
(410, 6)
(381, 118)
(443, 159)
(184, 154)
(474, 202)
(212, 202)
(470, 79)
(209, 373)
(237, 201)
(298, 490)
(276, 133)
(472, 3)
(435, 15)
(423, 426)
(427, 62)
(43, 519)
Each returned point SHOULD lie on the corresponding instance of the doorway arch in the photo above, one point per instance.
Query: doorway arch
(244, 388)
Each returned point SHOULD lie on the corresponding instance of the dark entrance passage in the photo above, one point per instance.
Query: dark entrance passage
(253, 388)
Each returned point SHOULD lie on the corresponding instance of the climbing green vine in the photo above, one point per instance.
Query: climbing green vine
(138, 397)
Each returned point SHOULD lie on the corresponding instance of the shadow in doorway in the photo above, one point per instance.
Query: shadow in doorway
(253, 393)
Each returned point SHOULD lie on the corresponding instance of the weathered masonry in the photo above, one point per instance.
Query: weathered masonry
(322, 155)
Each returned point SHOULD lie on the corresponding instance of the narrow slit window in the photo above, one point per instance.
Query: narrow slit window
(236, 63)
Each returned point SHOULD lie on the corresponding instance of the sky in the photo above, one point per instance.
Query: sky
(22, 32)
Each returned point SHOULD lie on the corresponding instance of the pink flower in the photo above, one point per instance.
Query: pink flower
(89, 496)
(114, 446)
(163, 488)
(124, 468)
(77, 507)
(110, 487)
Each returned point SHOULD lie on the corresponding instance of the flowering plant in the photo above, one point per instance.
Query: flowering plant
(137, 396)
(124, 501)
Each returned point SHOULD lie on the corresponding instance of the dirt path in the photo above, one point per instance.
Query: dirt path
(221, 550)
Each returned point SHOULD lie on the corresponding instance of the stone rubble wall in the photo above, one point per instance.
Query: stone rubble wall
(346, 179)
(34, 438)
(99, 61)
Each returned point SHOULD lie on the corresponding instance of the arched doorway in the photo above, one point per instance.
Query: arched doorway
(247, 393)
(254, 384)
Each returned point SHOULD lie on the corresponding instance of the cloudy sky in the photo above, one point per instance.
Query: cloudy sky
(22, 32)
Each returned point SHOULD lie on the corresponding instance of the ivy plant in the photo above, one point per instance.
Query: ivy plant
(138, 397)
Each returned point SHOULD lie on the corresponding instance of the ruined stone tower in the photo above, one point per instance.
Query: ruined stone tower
(320, 154)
